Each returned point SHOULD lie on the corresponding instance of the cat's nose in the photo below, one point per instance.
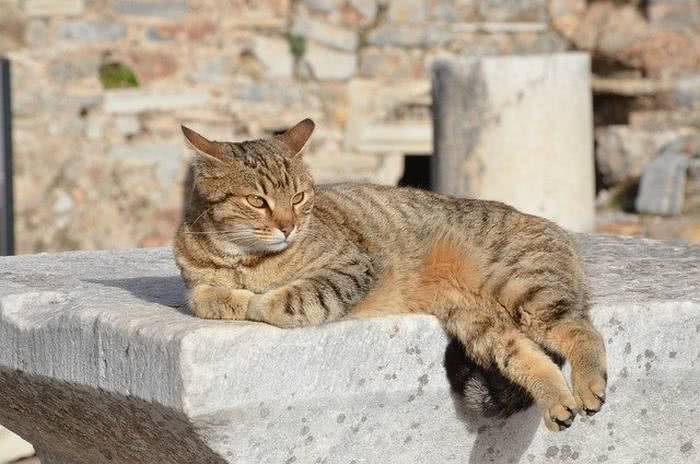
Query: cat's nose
(286, 229)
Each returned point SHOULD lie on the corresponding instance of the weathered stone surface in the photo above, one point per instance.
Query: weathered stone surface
(388, 62)
(391, 117)
(92, 31)
(112, 368)
(408, 36)
(329, 64)
(662, 187)
(193, 30)
(508, 10)
(623, 151)
(275, 56)
(325, 6)
(366, 8)
(127, 125)
(666, 119)
(13, 447)
(407, 11)
(674, 14)
(137, 101)
(260, 14)
(488, 144)
(161, 8)
(53, 7)
(167, 158)
(325, 34)
(687, 91)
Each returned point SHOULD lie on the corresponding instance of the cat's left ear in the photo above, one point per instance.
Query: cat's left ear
(297, 137)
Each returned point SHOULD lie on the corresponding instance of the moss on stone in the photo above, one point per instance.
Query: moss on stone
(117, 76)
(297, 45)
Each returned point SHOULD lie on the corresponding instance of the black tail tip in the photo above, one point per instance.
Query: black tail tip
(485, 391)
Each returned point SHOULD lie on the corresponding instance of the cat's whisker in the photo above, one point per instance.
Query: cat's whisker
(200, 216)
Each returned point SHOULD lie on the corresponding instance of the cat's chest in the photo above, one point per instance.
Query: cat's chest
(263, 277)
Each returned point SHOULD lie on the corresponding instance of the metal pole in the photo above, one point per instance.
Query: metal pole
(7, 224)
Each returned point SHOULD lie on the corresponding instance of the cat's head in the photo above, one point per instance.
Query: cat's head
(257, 194)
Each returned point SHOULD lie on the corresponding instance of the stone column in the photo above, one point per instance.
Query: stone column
(517, 129)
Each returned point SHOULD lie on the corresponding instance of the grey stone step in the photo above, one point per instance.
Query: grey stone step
(101, 362)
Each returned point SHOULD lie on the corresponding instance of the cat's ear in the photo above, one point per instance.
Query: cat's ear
(297, 137)
(203, 146)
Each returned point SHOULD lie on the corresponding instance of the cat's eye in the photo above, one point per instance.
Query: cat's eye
(298, 198)
(256, 201)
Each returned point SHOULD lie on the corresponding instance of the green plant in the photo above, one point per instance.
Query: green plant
(117, 76)
(297, 45)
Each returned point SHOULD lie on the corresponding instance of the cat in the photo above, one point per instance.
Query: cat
(260, 241)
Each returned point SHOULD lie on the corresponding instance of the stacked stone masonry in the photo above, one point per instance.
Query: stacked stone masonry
(101, 167)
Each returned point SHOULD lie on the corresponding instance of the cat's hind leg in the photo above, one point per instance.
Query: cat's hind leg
(491, 340)
(581, 344)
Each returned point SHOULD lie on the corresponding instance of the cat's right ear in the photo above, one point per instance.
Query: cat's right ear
(207, 148)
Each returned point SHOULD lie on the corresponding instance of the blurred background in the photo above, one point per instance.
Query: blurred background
(100, 87)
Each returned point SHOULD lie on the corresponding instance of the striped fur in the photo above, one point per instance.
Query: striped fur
(508, 286)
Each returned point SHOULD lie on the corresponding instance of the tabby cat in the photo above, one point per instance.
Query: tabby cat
(261, 242)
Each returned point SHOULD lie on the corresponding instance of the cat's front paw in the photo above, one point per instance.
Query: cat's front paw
(210, 302)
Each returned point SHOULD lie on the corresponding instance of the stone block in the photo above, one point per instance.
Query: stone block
(687, 91)
(139, 101)
(54, 7)
(324, 6)
(623, 151)
(13, 29)
(408, 36)
(13, 447)
(69, 68)
(453, 10)
(100, 362)
(407, 11)
(674, 14)
(389, 62)
(367, 8)
(166, 157)
(92, 31)
(510, 10)
(325, 34)
(501, 133)
(328, 64)
(275, 55)
(389, 116)
(662, 187)
(159, 8)
(260, 14)
(127, 125)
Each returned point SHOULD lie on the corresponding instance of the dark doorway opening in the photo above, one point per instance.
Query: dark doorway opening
(416, 172)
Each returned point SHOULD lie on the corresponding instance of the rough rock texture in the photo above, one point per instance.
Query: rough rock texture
(13, 447)
(511, 139)
(100, 362)
(662, 188)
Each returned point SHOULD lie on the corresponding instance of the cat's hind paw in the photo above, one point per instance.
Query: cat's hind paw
(560, 416)
(589, 393)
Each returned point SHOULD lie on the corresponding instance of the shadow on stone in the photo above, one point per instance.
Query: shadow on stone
(71, 423)
(167, 291)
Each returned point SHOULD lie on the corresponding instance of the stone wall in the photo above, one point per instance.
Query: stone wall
(99, 166)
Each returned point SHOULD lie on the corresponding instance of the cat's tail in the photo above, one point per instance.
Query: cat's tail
(485, 391)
